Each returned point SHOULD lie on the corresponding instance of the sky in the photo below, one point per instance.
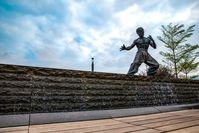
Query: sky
(68, 33)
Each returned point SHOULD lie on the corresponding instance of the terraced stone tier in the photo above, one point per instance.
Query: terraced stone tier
(24, 89)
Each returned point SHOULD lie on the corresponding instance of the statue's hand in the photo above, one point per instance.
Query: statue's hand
(150, 37)
(123, 47)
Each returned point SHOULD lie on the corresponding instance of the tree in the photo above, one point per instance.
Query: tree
(188, 65)
(188, 62)
(173, 36)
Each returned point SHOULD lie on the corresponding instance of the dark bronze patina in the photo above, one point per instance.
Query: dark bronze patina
(142, 55)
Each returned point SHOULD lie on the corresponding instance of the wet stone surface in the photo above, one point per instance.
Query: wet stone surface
(24, 89)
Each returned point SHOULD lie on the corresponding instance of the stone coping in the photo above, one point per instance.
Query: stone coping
(41, 71)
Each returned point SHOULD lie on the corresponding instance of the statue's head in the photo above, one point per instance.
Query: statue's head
(140, 32)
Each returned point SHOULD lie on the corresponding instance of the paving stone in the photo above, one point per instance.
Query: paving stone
(194, 129)
(179, 126)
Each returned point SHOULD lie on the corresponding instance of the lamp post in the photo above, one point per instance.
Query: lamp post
(92, 64)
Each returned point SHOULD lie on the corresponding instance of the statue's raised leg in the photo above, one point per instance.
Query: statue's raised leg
(153, 65)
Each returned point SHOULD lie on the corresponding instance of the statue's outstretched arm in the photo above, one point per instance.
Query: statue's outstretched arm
(152, 42)
(123, 47)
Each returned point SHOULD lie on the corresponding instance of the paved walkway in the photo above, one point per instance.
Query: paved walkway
(186, 121)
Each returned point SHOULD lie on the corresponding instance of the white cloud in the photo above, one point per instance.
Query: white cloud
(102, 27)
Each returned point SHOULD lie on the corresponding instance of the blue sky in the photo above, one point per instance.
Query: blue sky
(68, 33)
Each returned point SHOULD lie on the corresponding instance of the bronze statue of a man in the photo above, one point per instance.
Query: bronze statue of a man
(142, 55)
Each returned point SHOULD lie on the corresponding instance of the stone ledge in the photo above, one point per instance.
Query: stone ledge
(44, 118)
